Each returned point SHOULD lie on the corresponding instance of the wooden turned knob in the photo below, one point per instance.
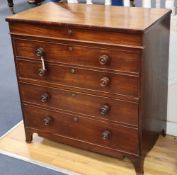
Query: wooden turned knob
(44, 97)
(104, 110)
(106, 135)
(47, 120)
(41, 72)
(104, 59)
(104, 81)
(40, 52)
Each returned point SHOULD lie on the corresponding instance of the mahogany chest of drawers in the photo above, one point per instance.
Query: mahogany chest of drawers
(94, 77)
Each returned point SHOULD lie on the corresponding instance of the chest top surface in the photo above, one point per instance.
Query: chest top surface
(123, 18)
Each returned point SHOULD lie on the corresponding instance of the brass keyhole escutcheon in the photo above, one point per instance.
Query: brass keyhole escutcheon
(76, 119)
(73, 94)
(70, 32)
(70, 48)
(72, 71)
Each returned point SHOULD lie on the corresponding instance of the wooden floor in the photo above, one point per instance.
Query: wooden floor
(162, 160)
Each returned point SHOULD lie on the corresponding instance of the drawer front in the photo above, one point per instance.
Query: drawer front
(75, 33)
(125, 60)
(78, 77)
(91, 131)
(94, 106)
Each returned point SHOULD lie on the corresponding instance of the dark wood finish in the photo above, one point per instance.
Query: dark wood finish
(123, 59)
(155, 70)
(94, 77)
(81, 103)
(109, 17)
(87, 130)
(85, 34)
(84, 78)
(28, 135)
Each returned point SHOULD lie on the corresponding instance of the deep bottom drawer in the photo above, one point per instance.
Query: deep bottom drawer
(106, 134)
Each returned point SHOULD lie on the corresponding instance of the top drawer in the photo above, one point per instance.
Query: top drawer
(100, 35)
(114, 58)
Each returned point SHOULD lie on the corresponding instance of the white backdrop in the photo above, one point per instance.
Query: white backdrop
(172, 92)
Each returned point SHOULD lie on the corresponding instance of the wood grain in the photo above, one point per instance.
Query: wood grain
(121, 111)
(138, 72)
(84, 78)
(137, 19)
(82, 33)
(119, 58)
(82, 130)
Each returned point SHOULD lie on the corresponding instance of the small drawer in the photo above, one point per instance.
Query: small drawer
(104, 81)
(89, 105)
(116, 58)
(98, 35)
(105, 134)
